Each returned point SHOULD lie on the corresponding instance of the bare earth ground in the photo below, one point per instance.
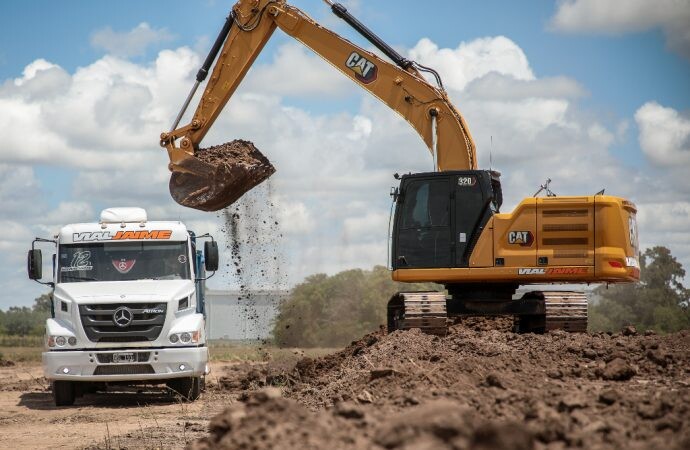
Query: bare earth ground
(480, 387)
(150, 419)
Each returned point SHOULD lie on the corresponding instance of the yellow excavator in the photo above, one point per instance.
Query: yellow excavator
(447, 226)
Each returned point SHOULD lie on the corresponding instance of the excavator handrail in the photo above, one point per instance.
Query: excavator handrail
(402, 87)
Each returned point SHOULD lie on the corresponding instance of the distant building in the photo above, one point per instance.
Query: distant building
(241, 316)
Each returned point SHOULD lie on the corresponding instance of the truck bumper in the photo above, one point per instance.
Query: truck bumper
(147, 364)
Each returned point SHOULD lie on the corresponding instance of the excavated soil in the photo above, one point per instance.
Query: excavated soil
(479, 387)
(220, 175)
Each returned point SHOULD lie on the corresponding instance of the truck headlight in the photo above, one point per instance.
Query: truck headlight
(186, 337)
(61, 341)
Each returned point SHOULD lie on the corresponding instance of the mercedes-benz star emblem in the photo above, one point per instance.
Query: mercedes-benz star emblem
(122, 317)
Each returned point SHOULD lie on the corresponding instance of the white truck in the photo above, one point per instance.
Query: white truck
(128, 305)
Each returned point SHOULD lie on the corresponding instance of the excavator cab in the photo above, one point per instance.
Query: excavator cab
(439, 216)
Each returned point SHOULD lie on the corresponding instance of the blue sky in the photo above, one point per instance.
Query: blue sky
(624, 71)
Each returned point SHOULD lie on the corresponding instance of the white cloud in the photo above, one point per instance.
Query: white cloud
(665, 217)
(667, 224)
(19, 192)
(626, 16)
(664, 135)
(129, 43)
(69, 212)
(106, 115)
(505, 87)
(295, 217)
(474, 59)
(296, 71)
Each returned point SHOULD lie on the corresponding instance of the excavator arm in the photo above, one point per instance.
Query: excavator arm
(400, 84)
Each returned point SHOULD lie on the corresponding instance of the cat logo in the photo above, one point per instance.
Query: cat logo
(365, 70)
(521, 238)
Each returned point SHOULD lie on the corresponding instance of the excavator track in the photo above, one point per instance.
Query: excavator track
(566, 310)
(423, 310)
(563, 310)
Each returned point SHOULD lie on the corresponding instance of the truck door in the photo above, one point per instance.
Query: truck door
(423, 239)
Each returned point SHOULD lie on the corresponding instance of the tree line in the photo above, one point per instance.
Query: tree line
(25, 321)
(331, 311)
(659, 302)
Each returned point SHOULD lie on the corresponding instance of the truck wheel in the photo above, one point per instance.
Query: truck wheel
(188, 388)
(63, 393)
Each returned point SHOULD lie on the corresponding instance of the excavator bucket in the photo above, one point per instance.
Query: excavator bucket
(218, 176)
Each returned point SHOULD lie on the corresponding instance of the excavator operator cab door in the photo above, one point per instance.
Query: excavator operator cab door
(422, 234)
(438, 217)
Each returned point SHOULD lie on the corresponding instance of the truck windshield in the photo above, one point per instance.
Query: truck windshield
(123, 261)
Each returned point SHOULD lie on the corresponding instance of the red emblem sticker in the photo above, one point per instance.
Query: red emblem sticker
(123, 265)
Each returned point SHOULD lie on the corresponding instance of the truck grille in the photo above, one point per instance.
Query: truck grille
(124, 369)
(147, 320)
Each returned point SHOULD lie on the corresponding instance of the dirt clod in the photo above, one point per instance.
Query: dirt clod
(629, 331)
(617, 370)
(609, 396)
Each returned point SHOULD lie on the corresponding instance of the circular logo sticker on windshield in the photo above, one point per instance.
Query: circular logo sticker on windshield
(182, 259)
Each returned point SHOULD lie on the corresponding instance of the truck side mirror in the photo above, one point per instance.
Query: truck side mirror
(211, 256)
(35, 264)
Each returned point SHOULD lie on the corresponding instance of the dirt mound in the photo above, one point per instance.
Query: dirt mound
(6, 362)
(219, 175)
(264, 420)
(491, 388)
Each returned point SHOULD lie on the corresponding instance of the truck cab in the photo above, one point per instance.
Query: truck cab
(128, 305)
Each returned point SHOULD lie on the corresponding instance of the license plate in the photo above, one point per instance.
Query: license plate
(127, 357)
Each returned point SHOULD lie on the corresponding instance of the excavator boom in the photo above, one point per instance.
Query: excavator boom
(250, 25)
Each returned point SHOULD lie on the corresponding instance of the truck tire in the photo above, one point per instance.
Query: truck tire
(63, 393)
(188, 388)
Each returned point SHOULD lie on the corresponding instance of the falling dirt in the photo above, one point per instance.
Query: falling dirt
(476, 388)
(254, 241)
(219, 175)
